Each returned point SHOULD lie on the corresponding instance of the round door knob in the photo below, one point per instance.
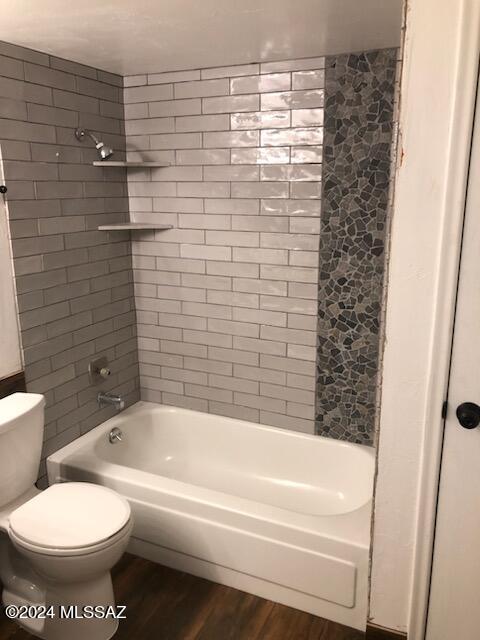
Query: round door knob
(468, 414)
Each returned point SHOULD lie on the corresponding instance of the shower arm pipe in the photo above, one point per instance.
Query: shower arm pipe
(87, 132)
(94, 138)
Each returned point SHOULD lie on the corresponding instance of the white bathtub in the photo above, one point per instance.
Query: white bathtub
(277, 513)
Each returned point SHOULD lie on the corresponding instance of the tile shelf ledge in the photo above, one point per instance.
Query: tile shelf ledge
(121, 163)
(134, 226)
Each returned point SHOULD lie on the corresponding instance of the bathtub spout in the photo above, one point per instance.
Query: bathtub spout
(112, 399)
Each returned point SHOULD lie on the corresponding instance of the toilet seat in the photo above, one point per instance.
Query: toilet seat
(72, 552)
(72, 518)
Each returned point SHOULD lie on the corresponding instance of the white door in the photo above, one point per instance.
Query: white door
(10, 358)
(454, 610)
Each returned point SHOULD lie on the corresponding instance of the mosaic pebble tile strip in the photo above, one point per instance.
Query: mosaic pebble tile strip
(358, 124)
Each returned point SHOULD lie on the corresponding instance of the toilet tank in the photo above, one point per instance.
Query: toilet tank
(21, 437)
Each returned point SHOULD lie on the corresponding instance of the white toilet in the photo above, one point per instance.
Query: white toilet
(56, 546)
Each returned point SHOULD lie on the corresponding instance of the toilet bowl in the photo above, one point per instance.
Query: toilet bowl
(57, 546)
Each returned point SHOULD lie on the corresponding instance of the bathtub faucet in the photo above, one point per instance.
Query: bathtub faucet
(112, 399)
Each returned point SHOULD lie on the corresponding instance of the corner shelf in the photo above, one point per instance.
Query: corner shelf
(134, 226)
(131, 226)
(115, 163)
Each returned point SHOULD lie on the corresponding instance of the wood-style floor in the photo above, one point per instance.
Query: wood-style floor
(163, 604)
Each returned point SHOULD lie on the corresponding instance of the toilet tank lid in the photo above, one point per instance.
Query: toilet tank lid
(16, 406)
(70, 515)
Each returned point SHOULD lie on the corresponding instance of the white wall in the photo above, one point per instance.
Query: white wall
(10, 352)
(438, 87)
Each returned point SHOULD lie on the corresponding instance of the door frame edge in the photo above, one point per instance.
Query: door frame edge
(467, 52)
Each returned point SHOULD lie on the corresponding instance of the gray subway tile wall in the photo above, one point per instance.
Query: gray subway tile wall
(218, 314)
(227, 300)
(74, 283)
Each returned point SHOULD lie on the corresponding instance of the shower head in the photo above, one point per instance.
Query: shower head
(103, 151)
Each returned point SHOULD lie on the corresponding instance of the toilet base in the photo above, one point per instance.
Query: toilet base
(70, 618)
